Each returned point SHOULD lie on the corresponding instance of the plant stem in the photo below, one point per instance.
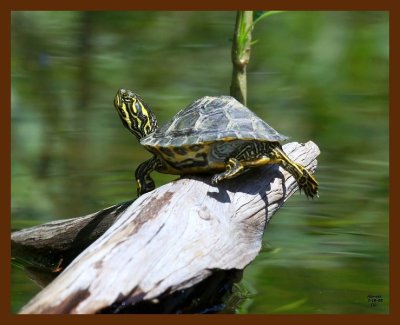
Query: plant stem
(241, 54)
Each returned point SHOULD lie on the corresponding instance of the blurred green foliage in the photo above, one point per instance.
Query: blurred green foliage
(320, 76)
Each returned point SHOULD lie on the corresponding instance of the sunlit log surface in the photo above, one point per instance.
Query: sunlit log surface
(181, 236)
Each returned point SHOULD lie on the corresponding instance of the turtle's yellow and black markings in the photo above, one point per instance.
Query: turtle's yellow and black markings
(129, 105)
(212, 135)
(165, 152)
(142, 174)
(182, 160)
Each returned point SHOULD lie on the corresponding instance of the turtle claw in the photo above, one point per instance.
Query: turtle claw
(217, 178)
(233, 169)
(308, 184)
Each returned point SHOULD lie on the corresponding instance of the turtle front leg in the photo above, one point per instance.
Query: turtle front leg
(142, 174)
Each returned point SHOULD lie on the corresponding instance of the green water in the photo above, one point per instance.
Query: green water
(320, 76)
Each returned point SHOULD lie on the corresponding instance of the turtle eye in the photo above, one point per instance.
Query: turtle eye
(138, 106)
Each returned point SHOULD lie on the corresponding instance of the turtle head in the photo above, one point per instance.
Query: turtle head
(135, 114)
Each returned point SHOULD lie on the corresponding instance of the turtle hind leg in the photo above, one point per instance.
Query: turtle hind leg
(305, 180)
(233, 168)
(256, 154)
(142, 174)
(249, 155)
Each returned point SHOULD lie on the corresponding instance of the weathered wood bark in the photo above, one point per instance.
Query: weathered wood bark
(176, 237)
(46, 250)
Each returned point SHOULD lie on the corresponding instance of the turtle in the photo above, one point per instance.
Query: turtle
(213, 135)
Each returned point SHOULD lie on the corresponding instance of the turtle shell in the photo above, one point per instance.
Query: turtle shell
(212, 119)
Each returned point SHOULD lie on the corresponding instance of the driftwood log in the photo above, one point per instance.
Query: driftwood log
(180, 242)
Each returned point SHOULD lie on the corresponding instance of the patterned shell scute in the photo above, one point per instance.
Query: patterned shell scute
(210, 119)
